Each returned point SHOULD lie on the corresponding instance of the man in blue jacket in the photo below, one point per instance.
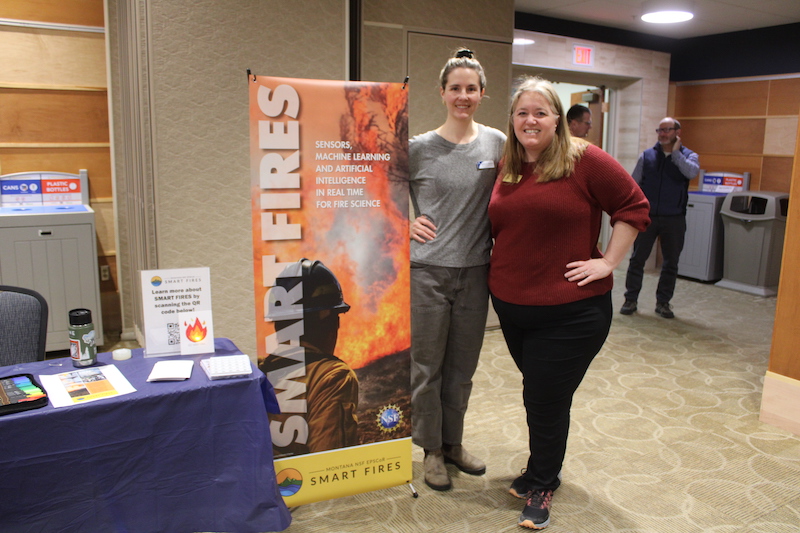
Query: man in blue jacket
(663, 172)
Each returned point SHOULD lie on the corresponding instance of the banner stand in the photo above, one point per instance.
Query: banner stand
(329, 183)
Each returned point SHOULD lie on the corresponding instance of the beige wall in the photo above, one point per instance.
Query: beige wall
(493, 18)
(190, 155)
(428, 53)
(639, 79)
(415, 38)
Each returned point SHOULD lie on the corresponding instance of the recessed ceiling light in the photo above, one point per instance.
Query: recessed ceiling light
(523, 40)
(667, 11)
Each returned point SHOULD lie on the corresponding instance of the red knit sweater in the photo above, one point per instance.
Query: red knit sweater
(540, 227)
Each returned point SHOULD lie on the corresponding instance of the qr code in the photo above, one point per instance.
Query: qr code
(174, 333)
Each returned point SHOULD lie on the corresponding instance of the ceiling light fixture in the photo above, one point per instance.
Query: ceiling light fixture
(667, 11)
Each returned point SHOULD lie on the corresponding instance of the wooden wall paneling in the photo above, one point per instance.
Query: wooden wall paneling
(105, 227)
(781, 397)
(738, 136)
(776, 174)
(110, 301)
(109, 296)
(671, 98)
(784, 97)
(780, 136)
(734, 99)
(31, 116)
(723, 123)
(784, 358)
(62, 59)
(96, 160)
(54, 109)
(738, 164)
(78, 12)
(110, 284)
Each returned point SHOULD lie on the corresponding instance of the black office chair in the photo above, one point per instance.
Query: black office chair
(23, 325)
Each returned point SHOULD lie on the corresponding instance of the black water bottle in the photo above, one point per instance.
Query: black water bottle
(82, 348)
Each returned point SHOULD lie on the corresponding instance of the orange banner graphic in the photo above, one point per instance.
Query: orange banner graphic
(329, 174)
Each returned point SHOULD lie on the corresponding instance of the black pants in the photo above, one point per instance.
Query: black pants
(672, 231)
(552, 346)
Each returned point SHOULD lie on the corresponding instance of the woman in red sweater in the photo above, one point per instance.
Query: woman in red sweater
(550, 285)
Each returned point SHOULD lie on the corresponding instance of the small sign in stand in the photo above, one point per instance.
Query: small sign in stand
(177, 312)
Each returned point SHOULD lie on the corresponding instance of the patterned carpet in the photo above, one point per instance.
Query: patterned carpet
(665, 436)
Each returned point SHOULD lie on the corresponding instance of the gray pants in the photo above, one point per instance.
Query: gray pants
(448, 319)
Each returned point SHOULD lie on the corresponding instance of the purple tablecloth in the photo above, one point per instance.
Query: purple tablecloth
(176, 457)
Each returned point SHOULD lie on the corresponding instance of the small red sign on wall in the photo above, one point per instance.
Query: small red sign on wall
(583, 55)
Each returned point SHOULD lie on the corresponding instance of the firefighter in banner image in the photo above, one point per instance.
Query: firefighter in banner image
(317, 391)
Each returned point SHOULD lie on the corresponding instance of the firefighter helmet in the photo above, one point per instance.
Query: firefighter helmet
(321, 291)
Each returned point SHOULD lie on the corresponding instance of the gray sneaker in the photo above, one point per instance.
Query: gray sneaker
(628, 308)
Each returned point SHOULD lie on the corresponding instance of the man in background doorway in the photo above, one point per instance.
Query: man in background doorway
(579, 120)
(663, 172)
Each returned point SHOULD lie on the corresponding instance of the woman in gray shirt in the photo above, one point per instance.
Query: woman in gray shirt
(452, 171)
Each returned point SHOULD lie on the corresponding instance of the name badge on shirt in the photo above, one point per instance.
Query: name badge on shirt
(485, 164)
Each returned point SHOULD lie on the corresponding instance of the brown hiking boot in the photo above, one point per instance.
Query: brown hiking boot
(464, 461)
(435, 472)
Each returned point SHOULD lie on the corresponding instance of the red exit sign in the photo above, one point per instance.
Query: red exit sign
(583, 55)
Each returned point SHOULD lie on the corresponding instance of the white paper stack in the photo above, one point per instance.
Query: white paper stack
(171, 371)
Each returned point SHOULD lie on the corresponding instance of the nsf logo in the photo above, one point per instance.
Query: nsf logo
(389, 418)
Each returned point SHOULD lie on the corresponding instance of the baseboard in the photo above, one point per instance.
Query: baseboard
(746, 287)
(780, 402)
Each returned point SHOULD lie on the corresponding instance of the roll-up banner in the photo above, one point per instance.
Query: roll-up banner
(329, 169)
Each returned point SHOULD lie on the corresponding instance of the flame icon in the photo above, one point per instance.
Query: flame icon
(196, 332)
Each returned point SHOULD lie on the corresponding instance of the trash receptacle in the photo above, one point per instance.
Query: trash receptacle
(754, 223)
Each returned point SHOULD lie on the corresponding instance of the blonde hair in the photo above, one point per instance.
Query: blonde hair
(558, 159)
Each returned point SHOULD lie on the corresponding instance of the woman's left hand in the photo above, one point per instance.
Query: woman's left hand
(585, 272)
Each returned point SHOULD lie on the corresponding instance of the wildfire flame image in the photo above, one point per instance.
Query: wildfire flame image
(366, 248)
(196, 332)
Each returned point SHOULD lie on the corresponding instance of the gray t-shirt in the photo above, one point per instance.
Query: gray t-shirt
(451, 184)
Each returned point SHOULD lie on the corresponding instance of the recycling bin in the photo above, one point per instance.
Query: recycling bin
(754, 223)
(702, 253)
(48, 244)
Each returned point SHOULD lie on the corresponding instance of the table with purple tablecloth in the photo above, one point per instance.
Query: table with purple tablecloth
(174, 456)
